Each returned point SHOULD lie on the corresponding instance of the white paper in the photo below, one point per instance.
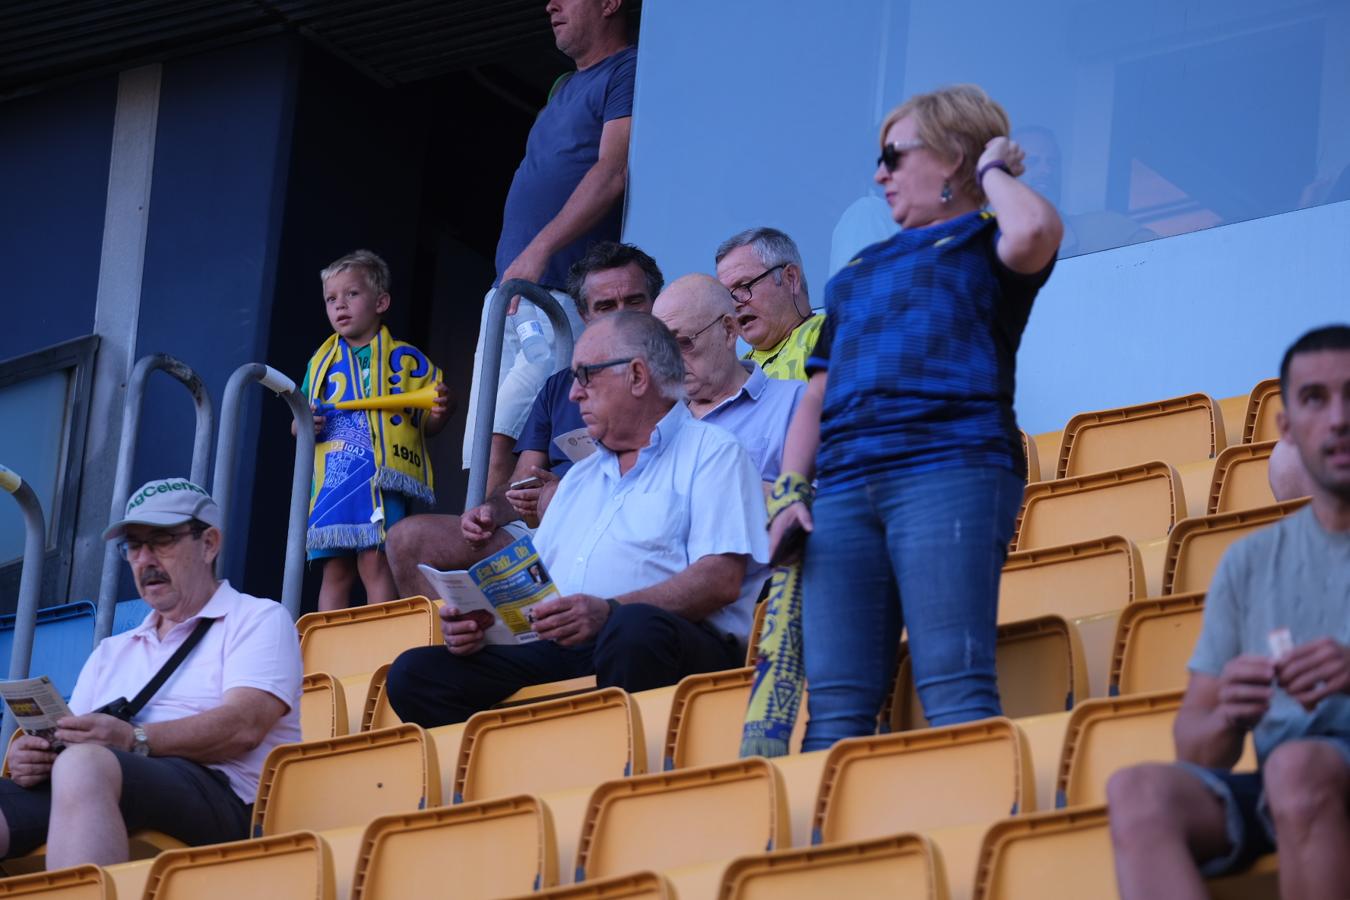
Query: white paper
(576, 445)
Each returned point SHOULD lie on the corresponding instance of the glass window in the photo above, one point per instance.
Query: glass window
(34, 447)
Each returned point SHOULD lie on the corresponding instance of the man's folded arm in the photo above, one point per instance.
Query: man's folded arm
(228, 731)
(710, 583)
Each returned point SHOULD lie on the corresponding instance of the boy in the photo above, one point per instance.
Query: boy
(366, 462)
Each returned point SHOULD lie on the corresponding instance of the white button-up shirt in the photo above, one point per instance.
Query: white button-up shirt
(252, 644)
(693, 492)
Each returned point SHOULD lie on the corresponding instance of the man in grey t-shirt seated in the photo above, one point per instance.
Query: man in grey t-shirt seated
(1273, 658)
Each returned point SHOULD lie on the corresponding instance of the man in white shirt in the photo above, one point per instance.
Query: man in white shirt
(648, 539)
(187, 764)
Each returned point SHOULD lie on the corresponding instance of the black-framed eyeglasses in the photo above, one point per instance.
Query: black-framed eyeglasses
(891, 154)
(158, 542)
(583, 372)
(687, 343)
(742, 293)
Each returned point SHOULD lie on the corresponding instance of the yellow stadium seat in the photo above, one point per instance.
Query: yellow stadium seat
(550, 746)
(1241, 478)
(1196, 545)
(1138, 503)
(1176, 431)
(1109, 734)
(295, 865)
(549, 690)
(901, 866)
(1045, 740)
(1047, 453)
(1263, 404)
(1057, 855)
(1041, 669)
(705, 721)
(756, 630)
(74, 883)
(1234, 411)
(1070, 580)
(1032, 455)
(1154, 640)
(921, 780)
(633, 886)
(360, 639)
(346, 781)
(323, 707)
(801, 777)
(683, 818)
(488, 849)
(376, 712)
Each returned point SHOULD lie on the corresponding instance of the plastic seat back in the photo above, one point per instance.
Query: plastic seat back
(1058, 855)
(706, 717)
(633, 886)
(346, 781)
(1041, 669)
(1111, 733)
(298, 865)
(362, 638)
(1196, 545)
(1263, 404)
(1241, 478)
(1179, 430)
(1154, 640)
(905, 866)
(74, 883)
(323, 707)
(489, 849)
(1070, 580)
(921, 780)
(1031, 454)
(558, 744)
(756, 631)
(1139, 503)
(683, 818)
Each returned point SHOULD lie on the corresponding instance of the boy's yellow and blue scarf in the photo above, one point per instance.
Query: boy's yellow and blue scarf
(361, 453)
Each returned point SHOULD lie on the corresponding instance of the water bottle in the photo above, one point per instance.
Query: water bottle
(531, 333)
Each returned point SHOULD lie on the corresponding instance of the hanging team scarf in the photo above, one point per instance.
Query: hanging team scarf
(359, 454)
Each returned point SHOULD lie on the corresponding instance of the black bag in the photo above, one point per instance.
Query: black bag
(124, 709)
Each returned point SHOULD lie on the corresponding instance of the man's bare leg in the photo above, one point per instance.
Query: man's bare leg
(1163, 819)
(86, 824)
(1307, 788)
(436, 541)
(376, 576)
(501, 462)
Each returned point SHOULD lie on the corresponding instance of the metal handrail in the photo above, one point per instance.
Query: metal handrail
(30, 584)
(492, 361)
(222, 485)
(126, 458)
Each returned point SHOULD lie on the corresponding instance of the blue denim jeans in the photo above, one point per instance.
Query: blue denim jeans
(919, 550)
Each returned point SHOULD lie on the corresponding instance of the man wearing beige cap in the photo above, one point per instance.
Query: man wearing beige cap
(185, 759)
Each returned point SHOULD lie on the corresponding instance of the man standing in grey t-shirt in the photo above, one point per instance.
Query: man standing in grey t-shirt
(1273, 658)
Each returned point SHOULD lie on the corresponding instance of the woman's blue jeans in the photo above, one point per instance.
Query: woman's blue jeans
(921, 550)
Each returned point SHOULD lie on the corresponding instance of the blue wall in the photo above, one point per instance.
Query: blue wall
(54, 151)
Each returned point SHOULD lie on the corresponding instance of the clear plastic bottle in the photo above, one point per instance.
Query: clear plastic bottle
(531, 332)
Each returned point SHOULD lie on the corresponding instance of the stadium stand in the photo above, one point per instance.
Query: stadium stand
(633, 886)
(323, 707)
(1196, 545)
(1241, 478)
(298, 864)
(1070, 580)
(1054, 855)
(1139, 502)
(1105, 734)
(1033, 457)
(74, 883)
(901, 866)
(1263, 404)
(1176, 431)
(1154, 640)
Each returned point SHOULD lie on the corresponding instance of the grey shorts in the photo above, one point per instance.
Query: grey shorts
(184, 800)
(1251, 831)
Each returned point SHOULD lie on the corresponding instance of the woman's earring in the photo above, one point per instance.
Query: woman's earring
(946, 195)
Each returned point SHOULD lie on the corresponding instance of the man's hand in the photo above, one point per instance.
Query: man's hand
(529, 265)
(95, 728)
(30, 760)
(477, 525)
(464, 633)
(526, 501)
(1245, 690)
(778, 529)
(1314, 671)
(572, 620)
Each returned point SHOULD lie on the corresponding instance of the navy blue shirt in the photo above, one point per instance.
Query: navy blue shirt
(551, 415)
(563, 145)
(920, 340)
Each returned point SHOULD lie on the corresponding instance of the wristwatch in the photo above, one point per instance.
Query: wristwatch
(140, 743)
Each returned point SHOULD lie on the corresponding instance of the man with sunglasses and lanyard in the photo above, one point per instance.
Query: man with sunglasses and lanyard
(187, 763)
(762, 269)
(648, 540)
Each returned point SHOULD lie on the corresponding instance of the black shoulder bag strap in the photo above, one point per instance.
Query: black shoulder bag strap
(126, 711)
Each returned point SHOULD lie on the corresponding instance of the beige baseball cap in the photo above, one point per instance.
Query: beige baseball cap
(166, 501)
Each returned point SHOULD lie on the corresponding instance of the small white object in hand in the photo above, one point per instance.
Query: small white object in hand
(1281, 643)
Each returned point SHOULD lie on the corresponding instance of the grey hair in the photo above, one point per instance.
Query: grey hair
(771, 246)
(375, 269)
(642, 335)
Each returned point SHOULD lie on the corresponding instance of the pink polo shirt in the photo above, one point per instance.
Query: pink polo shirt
(253, 644)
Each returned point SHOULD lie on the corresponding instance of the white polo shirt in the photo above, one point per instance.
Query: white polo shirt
(252, 644)
(693, 492)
